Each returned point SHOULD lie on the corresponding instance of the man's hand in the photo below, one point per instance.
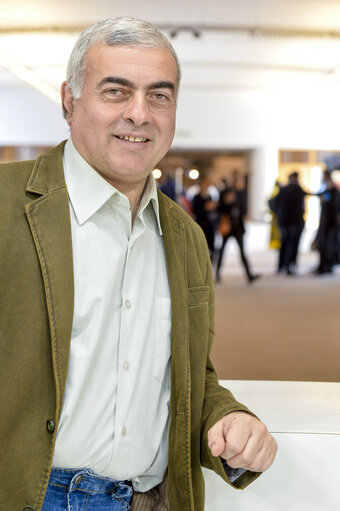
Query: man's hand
(243, 441)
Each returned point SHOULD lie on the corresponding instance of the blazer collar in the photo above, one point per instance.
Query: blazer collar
(48, 174)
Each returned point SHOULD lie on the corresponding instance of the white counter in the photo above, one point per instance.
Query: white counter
(304, 417)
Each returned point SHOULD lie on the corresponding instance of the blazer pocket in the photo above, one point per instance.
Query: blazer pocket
(198, 296)
(198, 311)
(163, 338)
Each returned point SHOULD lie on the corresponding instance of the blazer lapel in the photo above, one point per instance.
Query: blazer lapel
(175, 250)
(174, 239)
(49, 221)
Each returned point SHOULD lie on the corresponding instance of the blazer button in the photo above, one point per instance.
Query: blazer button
(28, 508)
(50, 428)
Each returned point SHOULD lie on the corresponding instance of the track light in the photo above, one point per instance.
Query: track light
(186, 28)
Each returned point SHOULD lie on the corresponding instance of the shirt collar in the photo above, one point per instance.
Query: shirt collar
(150, 195)
(81, 179)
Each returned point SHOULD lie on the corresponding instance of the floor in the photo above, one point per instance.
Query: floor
(279, 327)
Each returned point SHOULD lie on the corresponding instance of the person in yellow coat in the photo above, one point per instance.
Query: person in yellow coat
(275, 235)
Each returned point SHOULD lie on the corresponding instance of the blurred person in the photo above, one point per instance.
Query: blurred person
(107, 389)
(195, 189)
(289, 207)
(185, 203)
(204, 208)
(275, 235)
(327, 239)
(168, 187)
(232, 208)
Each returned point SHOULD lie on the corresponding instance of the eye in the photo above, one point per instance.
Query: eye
(159, 96)
(114, 93)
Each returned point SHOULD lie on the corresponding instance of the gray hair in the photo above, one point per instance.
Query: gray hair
(114, 31)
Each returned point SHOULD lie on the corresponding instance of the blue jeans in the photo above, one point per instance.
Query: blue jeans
(82, 490)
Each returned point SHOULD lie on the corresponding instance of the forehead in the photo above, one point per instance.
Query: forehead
(131, 62)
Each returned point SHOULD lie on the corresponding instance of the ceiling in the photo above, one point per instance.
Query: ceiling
(274, 45)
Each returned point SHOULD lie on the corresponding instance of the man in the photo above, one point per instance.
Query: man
(105, 285)
(289, 205)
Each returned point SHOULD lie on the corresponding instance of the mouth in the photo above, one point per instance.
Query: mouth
(135, 140)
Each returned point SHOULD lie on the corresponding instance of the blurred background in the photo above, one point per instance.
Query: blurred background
(259, 99)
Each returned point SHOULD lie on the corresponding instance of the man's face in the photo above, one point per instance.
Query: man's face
(124, 121)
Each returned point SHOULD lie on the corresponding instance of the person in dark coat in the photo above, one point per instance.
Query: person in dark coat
(203, 208)
(289, 206)
(327, 236)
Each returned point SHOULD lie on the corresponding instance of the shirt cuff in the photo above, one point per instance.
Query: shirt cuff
(232, 473)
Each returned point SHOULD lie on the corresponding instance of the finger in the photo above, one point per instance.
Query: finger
(217, 446)
(216, 440)
(236, 440)
(257, 456)
(265, 457)
(246, 457)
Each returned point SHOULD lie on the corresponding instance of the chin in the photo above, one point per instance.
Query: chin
(130, 175)
(138, 169)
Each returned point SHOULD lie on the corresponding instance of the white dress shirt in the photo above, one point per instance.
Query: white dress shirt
(115, 414)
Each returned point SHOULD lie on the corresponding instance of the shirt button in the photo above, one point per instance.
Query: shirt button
(126, 364)
(50, 426)
(128, 304)
(124, 431)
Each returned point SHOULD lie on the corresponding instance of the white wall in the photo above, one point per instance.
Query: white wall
(306, 119)
(29, 118)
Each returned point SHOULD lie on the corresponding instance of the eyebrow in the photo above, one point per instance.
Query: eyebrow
(163, 84)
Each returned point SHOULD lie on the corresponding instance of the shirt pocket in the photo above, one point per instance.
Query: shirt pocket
(162, 338)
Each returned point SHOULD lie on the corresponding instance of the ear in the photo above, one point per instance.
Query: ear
(67, 101)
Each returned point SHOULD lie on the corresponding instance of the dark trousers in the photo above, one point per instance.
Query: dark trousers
(239, 239)
(290, 238)
(328, 247)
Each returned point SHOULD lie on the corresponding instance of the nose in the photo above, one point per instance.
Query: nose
(137, 111)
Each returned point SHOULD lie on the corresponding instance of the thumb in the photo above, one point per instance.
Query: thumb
(216, 440)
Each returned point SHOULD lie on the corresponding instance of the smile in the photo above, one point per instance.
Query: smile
(137, 140)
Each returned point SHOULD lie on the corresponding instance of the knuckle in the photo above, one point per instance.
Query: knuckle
(255, 468)
(235, 447)
(263, 429)
(247, 460)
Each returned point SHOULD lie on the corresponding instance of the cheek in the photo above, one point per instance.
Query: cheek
(168, 128)
(94, 116)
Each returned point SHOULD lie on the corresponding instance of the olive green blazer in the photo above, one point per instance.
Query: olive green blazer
(36, 309)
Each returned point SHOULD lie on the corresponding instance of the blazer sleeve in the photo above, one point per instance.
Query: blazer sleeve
(218, 402)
